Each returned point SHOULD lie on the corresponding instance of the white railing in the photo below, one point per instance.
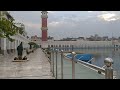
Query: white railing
(107, 70)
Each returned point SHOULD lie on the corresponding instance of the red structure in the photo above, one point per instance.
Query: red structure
(44, 28)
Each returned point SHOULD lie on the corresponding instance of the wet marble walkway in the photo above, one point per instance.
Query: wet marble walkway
(37, 67)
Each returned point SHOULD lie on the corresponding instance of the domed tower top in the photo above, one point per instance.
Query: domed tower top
(44, 14)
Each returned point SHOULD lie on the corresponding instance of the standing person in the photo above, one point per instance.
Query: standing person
(20, 51)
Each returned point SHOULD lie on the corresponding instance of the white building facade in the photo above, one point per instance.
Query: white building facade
(80, 44)
(8, 47)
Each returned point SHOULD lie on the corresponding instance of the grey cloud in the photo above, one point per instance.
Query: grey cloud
(71, 24)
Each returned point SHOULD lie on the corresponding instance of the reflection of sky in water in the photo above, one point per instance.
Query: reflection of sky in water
(101, 54)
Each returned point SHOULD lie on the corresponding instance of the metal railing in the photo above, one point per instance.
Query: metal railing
(107, 70)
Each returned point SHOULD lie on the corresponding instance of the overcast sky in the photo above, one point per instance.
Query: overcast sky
(71, 23)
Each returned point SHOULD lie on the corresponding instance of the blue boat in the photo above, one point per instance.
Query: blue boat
(83, 57)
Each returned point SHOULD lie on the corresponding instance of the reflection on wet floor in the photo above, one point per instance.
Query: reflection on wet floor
(37, 67)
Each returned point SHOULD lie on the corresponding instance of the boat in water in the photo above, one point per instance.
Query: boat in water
(82, 57)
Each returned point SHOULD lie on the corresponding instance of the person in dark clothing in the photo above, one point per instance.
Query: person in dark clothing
(20, 51)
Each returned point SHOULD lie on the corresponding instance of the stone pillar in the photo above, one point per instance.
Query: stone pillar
(15, 46)
(9, 47)
(3, 46)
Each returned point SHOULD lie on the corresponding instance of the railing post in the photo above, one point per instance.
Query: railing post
(73, 65)
(72, 47)
(56, 63)
(53, 61)
(50, 60)
(108, 69)
(61, 64)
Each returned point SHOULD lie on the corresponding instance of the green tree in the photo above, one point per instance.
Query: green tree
(8, 28)
(33, 44)
(21, 30)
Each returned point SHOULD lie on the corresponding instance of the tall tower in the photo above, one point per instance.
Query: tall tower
(44, 28)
